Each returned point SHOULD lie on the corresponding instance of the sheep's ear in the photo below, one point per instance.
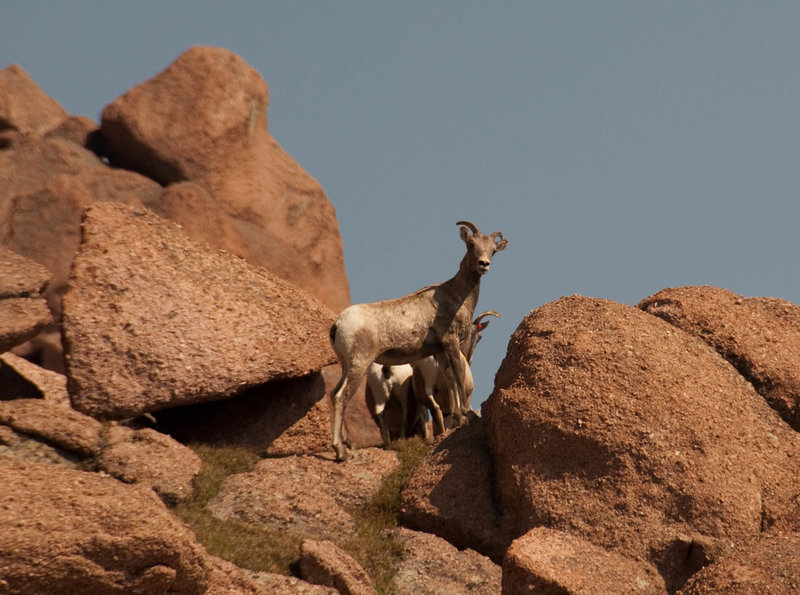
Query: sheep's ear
(465, 234)
(501, 245)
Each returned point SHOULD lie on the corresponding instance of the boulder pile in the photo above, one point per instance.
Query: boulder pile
(167, 282)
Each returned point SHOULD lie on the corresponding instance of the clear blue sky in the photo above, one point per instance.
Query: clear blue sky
(622, 147)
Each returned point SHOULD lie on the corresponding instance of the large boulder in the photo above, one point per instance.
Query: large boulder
(760, 337)
(153, 320)
(23, 310)
(67, 531)
(204, 120)
(24, 108)
(612, 425)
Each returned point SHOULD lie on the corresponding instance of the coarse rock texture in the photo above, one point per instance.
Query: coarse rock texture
(134, 456)
(304, 495)
(80, 130)
(21, 379)
(280, 584)
(149, 458)
(612, 425)
(53, 423)
(24, 107)
(23, 310)
(277, 418)
(44, 225)
(225, 578)
(204, 120)
(67, 531)
(760, 337)
(771, 566)
(323, 563)
(548, 561)
(457, 476)
(432, 566)
(153, 320)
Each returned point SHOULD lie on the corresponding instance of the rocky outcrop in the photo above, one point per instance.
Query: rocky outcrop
(153, 320)
(431, 565)
(204, 120)
(24, 108)
(611, 425)
(54, 424)
(23, 311)
(46, 431)
(149, 458)
(769, 566)
(760, 337)
(323, 563)
(451, 494)
(547, 561)
(68, 531)
(305, 495)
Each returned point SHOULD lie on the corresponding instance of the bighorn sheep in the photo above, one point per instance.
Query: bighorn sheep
(391, 383)
(434, 319)
(436, 391)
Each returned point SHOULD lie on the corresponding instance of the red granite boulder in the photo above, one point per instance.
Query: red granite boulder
(612, 425)
(153, 320)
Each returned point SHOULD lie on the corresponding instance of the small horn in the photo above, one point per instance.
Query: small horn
(482, 314)
(471, 226)
(497, 234)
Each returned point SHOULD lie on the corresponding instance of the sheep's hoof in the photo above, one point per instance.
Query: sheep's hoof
(341, 453)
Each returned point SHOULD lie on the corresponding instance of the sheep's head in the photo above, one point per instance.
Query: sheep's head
(468, 347)
(480, 247)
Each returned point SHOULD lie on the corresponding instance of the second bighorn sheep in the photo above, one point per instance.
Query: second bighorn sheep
(434, 319)
(433, 386)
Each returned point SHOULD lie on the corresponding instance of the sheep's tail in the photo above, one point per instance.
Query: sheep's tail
(333, 332)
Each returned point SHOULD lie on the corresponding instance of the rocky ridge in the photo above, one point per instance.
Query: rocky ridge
(650, 449)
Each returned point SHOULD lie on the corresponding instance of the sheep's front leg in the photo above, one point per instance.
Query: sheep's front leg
(340, 396)
(452, 353)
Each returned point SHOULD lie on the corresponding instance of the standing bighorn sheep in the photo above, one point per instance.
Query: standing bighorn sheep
(434, 319)
(433, 386)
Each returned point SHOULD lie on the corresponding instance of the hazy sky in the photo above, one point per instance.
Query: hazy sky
(621, 147)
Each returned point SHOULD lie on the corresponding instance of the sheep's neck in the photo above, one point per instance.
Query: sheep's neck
(467, 285)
